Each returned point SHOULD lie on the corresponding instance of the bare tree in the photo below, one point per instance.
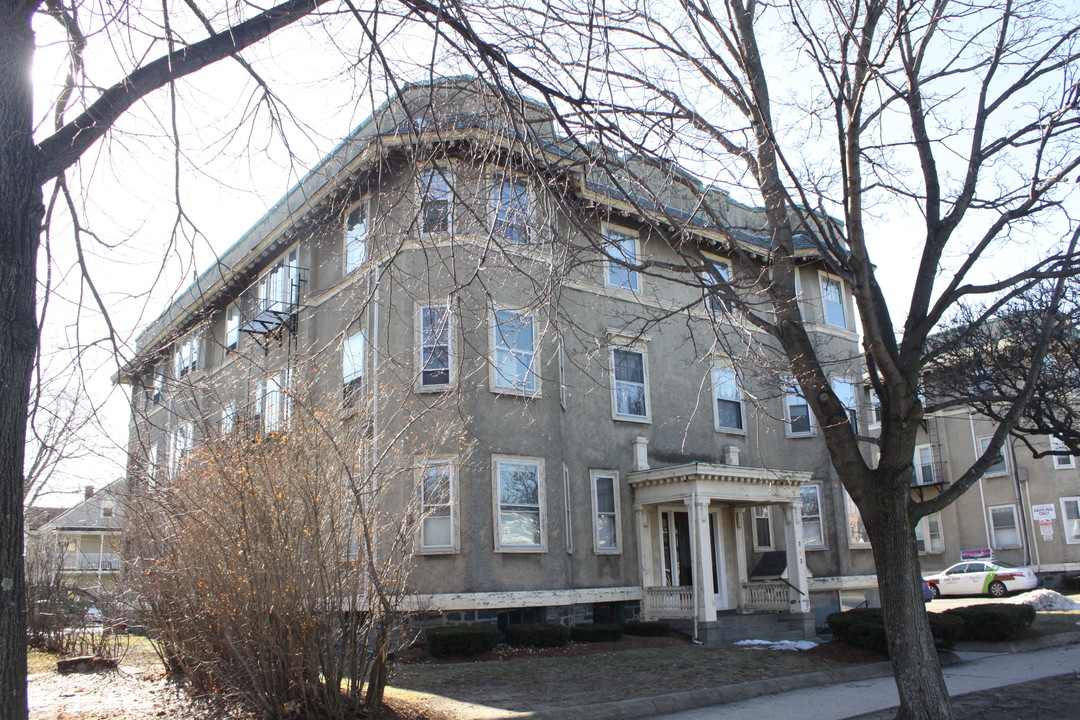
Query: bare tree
(960, 119)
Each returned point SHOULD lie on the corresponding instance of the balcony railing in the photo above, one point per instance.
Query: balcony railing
(668, 602)
(271, 302)
(766, 596)
(91, 562)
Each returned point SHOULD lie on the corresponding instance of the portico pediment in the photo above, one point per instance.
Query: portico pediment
(725, 483)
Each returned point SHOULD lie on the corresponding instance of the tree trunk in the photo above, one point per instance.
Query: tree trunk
(21, 211)
(923, 695)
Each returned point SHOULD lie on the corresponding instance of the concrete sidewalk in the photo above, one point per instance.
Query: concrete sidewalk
(840, 694)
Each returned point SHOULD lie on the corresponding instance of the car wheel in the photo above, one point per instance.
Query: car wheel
(997, 589)
(937, 592)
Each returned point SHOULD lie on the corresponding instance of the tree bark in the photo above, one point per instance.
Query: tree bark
(21, 211)
(916, 668)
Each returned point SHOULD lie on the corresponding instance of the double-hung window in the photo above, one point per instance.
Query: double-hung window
(797, 410)
(874, 410)
(923, 470)
(717, 297)
(622, 256)
(832, 299)
(813, 535)
(857, 537)
(273, 403)
(186, 358)
(435, 346)
(356, 237)
(762, 528)
(514, 341)
(844, 390)
(181, 442)
(519, 521)
(727, 400)
(1070, 514)
(1061, 462)
(629, 386)
(278, 291)
(352, 368)
(1004, 530)
(510, 210)
(928, 538)
(437, 529)
(232, 327)
(1001, 467)
(436, 202)
(228, 418)
(605, 488)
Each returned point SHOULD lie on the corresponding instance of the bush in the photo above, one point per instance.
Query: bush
(591, 632)
(643, 628)
(537, 635)
(462, 641)
(994, 623)
(865, 628)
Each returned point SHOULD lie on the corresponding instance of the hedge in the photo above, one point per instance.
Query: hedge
(865, 628)
(590, 632)
(994, 623)
(462, 641)
(646, 628)
(537, 635)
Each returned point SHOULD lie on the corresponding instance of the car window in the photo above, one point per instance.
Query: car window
(959, 569)
(977, 567)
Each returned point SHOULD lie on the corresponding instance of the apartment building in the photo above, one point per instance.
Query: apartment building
(590, 438)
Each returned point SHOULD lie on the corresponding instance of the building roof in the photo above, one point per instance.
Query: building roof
(407, 119)
(86, 515)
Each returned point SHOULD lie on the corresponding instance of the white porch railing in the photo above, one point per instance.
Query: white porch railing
(766, 596)
(91, 562)
(668, 602)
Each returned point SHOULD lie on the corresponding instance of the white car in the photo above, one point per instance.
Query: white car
(982, 577)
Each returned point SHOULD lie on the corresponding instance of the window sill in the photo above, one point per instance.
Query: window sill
(730, 431)
(798, 436)
(530, 550)
(632, 418)
(512, 392)
(433, 388)
(438, 551)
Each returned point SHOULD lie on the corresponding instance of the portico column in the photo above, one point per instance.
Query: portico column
(796, 554)
(700, 543)
(644, 544)
(740, 552)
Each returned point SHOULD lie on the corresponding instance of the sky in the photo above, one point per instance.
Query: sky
(145, 251)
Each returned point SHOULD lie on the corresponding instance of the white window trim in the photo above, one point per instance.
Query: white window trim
(228, 418)
(615, 485)
(363, 205)
(993, 532)
(1061, 462)
(714, 372)
(633, 276)
(232, 327)
(851, 509)
(445, 174)
(496, 504)
(454, 546)
(359, 369)
(615, 414)
(823, 278)
(717, 305)
(820, 517)
(852, 410)
(450, 346)
(758, 547)
(181, 443)
(1004, 457)
(498, 181)
(186, 354)
(923, 526)
(1065, 519)
(873, 408)
(493, 376)
(793, 389)
(917, 466)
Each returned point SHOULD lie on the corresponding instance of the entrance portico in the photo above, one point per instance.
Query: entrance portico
(692, 532)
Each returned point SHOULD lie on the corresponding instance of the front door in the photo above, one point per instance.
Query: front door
(676, 558)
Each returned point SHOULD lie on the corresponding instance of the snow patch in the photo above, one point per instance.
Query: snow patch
(1043, 599)
(778, 645)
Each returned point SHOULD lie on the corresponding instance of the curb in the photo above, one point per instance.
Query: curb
(723, 694)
